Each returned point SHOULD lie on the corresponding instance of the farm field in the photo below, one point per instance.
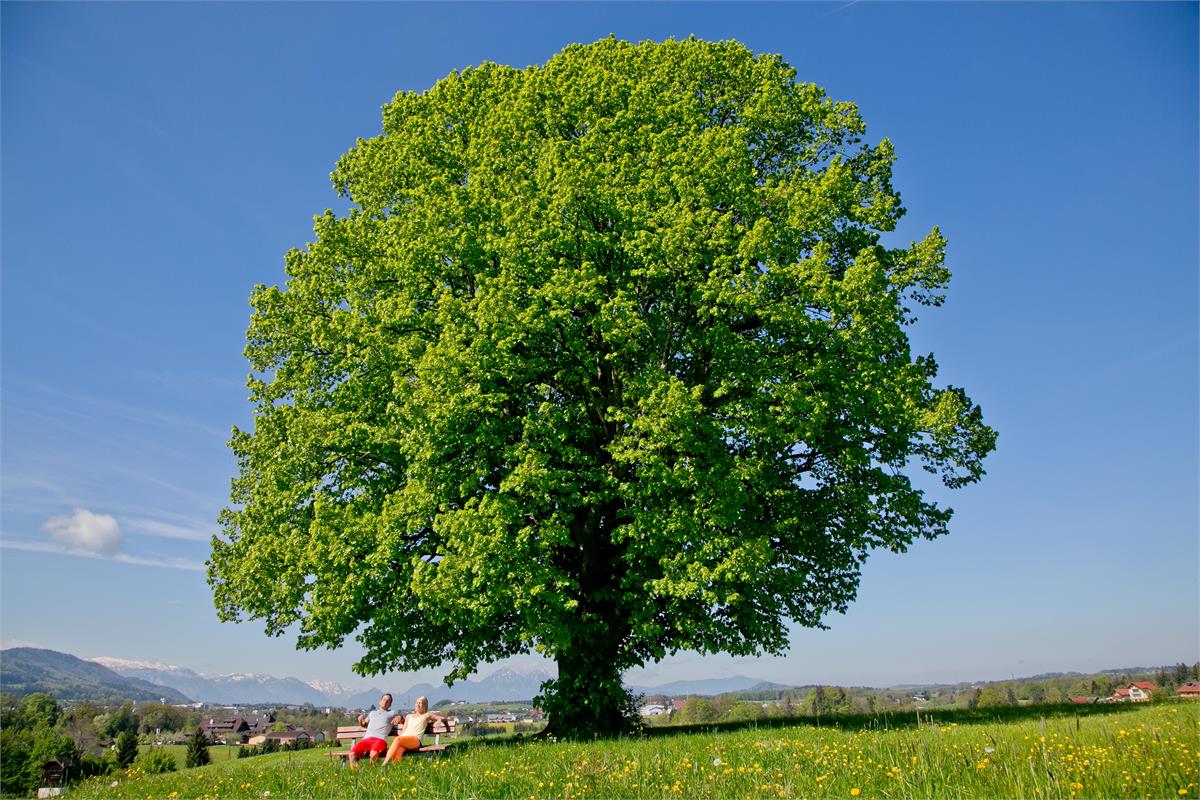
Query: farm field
(1150, 752)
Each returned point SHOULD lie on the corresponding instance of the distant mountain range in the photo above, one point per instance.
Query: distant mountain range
(25, 670)
(503, 684)
(28, 670)
(710, 686)
(235, 689)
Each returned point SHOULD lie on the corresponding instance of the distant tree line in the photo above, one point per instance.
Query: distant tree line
(821, 701)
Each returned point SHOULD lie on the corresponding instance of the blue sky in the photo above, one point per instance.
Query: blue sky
(159, 159)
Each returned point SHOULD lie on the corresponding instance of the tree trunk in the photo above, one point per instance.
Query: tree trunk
(587, 699)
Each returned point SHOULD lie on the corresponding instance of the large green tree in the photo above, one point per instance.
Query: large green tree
(607, 360)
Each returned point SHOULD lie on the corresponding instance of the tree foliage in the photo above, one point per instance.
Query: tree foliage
(157, 717)
(28, 740)
(127, 748)
(197, 749)
(156, 761)
(607, 360)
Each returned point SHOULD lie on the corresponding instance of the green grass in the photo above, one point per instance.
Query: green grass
(218, 752)
(177, 750)
(1147, 752)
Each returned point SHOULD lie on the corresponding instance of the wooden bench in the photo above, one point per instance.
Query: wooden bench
(436, 728)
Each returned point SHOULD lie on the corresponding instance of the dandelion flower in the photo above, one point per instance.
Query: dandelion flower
(855, 792)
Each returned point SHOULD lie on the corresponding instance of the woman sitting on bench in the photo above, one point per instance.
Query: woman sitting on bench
(414, 726)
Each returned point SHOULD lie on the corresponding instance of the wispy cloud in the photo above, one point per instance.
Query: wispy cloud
(103, 407)
(167, 530)
(25, 484)
(120, 558)
(84, 531)
(840, 8)
(27, 494)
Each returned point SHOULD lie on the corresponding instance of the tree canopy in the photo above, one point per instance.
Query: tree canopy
(607, 360)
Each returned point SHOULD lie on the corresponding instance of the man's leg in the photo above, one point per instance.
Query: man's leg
(361, 747)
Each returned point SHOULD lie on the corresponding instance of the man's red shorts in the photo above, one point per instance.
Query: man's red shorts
(372, 744)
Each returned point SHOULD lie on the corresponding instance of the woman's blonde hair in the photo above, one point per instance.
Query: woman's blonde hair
(422, 704)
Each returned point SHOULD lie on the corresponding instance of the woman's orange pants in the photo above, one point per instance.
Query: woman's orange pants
(401, 745)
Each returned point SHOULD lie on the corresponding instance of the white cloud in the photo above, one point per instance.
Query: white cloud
(86, 532)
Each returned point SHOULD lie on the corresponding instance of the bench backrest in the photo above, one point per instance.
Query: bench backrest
(436, 728)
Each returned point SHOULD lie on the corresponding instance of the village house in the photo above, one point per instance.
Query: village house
(225, 728)
(218, 728)
(1191, 689)
(652, 710)
(1135, 692)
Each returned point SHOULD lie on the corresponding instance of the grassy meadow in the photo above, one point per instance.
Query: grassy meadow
(218, 752)
(1150, 752)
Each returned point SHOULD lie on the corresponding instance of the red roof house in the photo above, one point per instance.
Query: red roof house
(1135, 692)
(1190, 690)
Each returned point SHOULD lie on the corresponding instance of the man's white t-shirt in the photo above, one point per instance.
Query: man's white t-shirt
(379, 723)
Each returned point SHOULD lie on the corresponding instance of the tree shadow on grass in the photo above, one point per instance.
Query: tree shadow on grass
(904, 719)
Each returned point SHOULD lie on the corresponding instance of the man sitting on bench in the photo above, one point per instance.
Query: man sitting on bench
(378, 722)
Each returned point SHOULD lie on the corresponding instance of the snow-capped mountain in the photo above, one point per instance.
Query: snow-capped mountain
(330, 689)
(225, 689)
(129, 664)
